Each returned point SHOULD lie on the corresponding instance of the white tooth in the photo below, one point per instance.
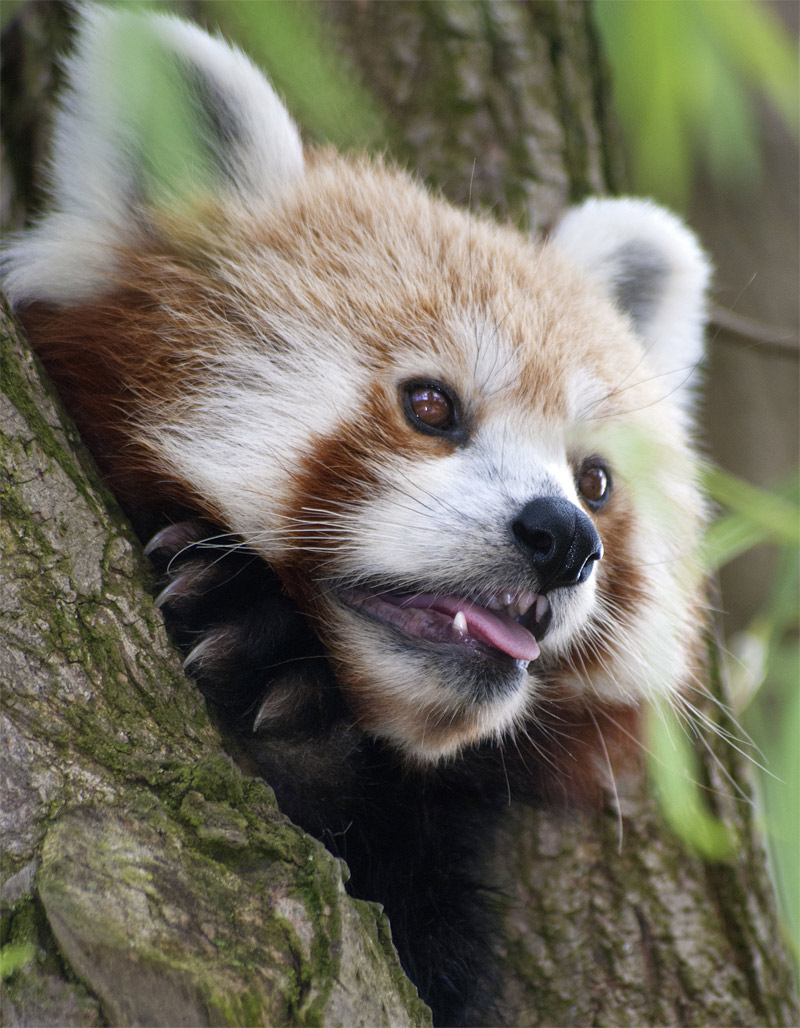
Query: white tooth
(525, 602)
(542, 606)
(460, 623)
(508, 599)
(494, 602)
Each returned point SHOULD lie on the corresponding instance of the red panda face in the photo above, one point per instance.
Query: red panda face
(465, 453)
(464, 515)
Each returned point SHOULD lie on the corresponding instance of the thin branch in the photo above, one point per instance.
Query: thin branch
(751, 332)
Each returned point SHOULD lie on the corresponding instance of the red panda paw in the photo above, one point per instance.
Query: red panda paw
(246, 645)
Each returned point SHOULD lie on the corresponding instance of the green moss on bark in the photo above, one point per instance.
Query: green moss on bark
(170, 889)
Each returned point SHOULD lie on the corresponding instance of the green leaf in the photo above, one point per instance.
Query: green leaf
(773, 721)
(758, 516)
(683, 74)
(322, 91)
(762, 50)
(673, 768)
(149, 95)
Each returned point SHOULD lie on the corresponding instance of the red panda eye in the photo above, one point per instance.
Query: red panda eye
(429, 407)
(594, 483)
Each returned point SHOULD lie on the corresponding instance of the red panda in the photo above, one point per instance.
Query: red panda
(463, 456)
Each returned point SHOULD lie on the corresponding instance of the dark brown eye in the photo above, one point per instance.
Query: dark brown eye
(430, 407)
(594, 483)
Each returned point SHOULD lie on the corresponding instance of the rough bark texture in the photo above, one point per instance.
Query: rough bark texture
(146, 881)
(610, 921)
(502, 105)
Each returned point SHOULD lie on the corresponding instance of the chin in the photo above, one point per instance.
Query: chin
(415, 677)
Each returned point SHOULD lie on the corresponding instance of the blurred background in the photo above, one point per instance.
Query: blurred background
(704, 118)
(707, 94)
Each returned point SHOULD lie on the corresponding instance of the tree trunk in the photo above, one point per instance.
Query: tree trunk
(146, 880)
(502, 105)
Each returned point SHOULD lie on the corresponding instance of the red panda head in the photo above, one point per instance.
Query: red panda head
(465, 453)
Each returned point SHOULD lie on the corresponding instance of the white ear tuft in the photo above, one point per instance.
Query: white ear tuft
(112, 155)
(652, 268)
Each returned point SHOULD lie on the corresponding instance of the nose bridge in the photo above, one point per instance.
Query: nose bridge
(526, 449)
(525, 473)
(558, 539)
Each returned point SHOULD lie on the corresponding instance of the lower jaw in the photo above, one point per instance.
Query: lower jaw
(430, 733)
(426, 700)
(435, 703)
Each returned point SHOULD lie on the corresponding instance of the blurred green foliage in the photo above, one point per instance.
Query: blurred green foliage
(752, 516)
(763, 671)
(288, 40)
(682, 74)
(283, 36)
(174, 166)
(774, 723)
(685, 75)
(674, 770)
(321, 89)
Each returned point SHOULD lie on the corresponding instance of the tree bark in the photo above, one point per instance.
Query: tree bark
(502, 105)
(146, 880)
(610, 920)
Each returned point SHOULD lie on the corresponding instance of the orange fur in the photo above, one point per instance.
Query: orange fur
(243, 356)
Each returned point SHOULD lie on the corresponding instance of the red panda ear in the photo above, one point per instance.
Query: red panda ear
(158, 115)
(652, 268)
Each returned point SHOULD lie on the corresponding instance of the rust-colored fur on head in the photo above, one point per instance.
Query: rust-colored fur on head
(466, 453)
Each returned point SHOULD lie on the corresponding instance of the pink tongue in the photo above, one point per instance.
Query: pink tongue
(496, 629)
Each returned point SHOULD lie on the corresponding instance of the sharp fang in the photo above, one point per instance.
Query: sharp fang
(460, 623)
(542, 603)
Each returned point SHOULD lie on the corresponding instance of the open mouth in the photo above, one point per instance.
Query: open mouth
(500, 622)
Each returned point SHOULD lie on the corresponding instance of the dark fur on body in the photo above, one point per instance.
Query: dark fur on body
(416, 841)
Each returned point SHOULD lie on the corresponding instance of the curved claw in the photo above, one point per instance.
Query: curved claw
(176, 537)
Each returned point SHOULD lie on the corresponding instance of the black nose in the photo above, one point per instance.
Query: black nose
(559, 540)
